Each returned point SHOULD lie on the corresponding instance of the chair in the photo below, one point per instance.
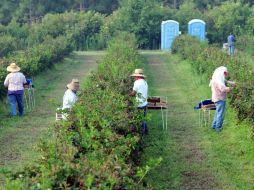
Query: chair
(59, 114)
(205, 107)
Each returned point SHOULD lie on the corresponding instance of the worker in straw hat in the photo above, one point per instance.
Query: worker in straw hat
(140, 90)
(70, 95)
(15, 81)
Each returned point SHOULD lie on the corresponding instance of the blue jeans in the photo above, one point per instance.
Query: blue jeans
(143, 124)
(219, 115)
(13, 99)
(231, 50)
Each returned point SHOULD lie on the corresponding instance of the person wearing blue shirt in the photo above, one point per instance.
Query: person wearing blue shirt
(231, 44)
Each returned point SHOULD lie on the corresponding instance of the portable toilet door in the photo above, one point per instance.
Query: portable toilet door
(169, 31)
(196, 27)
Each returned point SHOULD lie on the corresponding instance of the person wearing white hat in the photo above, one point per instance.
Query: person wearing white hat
(15, 81)
(140, 90)
(70, 95)
(219, 92)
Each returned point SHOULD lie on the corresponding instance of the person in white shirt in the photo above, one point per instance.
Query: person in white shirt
(15, 81)
(70, 96)
(140, 90)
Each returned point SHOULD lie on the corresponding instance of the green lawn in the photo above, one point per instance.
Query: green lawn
(19, 136)
(194, 157)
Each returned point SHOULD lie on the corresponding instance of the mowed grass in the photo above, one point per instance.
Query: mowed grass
(194, 157)
(19, 136)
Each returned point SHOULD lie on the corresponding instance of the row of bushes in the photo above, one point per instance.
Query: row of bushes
(48, 41)
(81, 26)
(37, 58)
(7, 45)
(96, 147)
(205, 59)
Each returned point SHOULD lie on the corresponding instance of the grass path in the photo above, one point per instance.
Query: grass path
(194, 157)
(18, 136)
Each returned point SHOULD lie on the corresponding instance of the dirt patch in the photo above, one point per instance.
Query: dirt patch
(197, 181)
(9, 157)
(7, 154)
(194, 153)
(154, 61)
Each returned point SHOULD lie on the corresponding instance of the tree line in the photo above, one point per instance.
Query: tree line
(140, 17)
(24, 10)
(28, 10)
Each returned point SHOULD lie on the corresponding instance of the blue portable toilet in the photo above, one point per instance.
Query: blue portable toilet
(169, 31)
(196, 27)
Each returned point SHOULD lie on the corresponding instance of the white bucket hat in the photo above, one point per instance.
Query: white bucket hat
(13, 68)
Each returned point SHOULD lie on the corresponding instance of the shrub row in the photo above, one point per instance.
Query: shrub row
(206, 59)
(83, 27)
(37, 58)
(7, 45)
(245, 43)
(49, 41)
(94, 149)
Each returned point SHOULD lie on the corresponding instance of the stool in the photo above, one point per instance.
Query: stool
(205, 112)
(59, 114)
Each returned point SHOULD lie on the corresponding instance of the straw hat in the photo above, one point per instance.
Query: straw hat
(13, 68)
(73, 85)
(138, 73)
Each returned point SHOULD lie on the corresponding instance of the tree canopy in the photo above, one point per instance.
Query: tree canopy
(140, 17)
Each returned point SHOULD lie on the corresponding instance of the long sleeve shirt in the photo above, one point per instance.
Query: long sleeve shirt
(219, 92)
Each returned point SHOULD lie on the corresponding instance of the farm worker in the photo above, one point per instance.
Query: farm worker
(231, 45)
(219, 92)
(140, 90)
(15, 81)
(70, 95)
